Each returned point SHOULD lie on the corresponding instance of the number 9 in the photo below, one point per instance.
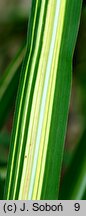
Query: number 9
(77, 206)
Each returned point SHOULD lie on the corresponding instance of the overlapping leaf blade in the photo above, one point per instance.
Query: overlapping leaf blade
(9, 84)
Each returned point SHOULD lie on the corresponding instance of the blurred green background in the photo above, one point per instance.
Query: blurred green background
(13, 30)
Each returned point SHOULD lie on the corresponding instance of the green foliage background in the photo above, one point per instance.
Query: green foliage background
(13, 28)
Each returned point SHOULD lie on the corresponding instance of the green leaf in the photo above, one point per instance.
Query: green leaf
(42, 104)
(73, 185)
(84, 196)
(9, 85)
(2, 183)
(4, 147)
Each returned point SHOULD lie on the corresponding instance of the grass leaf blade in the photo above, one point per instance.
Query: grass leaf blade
(43, 100)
